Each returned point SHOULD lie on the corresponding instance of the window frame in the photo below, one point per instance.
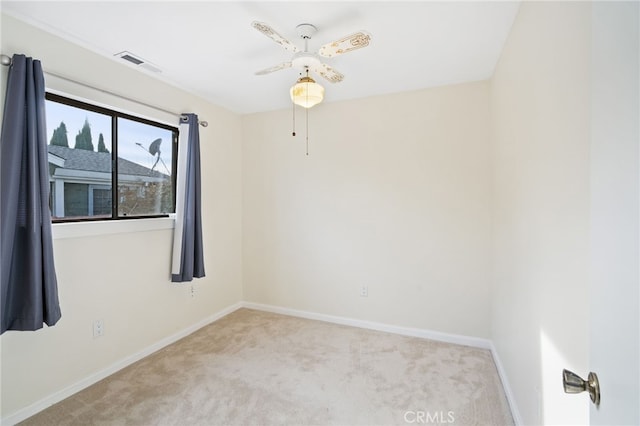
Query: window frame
(115, 115)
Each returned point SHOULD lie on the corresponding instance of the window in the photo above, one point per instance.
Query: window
(84, 142)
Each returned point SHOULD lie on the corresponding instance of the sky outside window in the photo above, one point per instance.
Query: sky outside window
(73, 119)
(134, 144)
(135, 138)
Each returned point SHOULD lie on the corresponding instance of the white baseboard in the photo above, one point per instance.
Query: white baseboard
(505, 385)
(396, 329)
(48, 401)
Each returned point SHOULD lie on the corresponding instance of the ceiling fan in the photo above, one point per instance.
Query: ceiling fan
(309, 61)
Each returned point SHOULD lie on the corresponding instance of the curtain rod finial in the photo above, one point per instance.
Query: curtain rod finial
(184, 119)
(5, 60)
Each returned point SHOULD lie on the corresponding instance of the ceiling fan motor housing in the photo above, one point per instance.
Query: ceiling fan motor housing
(306, 60)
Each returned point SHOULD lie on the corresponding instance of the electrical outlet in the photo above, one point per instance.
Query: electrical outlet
(98, 328)
(364, 291)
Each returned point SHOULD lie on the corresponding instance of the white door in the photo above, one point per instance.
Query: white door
(615, 213)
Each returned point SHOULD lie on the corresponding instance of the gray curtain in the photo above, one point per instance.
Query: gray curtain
(29, 295)
(188, 259)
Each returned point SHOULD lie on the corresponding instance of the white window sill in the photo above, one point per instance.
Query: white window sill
(109, 227)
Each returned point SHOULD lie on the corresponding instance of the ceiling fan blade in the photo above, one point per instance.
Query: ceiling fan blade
(273, 35)
(345, 44)
(329, 73)
(274, 68)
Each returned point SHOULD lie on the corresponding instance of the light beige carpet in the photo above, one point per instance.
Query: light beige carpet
(257, 368)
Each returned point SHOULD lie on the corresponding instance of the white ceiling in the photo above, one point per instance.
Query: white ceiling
(209, 48)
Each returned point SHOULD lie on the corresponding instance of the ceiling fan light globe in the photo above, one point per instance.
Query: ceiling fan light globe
(306, 92)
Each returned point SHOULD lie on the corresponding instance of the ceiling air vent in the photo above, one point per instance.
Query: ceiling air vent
(138, 61)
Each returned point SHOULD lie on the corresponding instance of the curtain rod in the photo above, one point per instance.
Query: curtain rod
(6, 61)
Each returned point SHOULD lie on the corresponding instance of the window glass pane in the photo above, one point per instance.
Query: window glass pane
(145, 159)
(79, 154)
(102, 200)
(82, 149)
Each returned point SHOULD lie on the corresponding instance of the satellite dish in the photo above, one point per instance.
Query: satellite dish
(154, 148)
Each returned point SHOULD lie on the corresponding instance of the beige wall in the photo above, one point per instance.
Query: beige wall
(394, 195)
(540, 143)
(122, 275)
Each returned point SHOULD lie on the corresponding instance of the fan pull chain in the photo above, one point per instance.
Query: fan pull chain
(307, 109)
(307, 114)
(293, 133)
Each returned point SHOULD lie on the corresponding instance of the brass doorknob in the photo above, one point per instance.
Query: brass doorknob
(575, 384)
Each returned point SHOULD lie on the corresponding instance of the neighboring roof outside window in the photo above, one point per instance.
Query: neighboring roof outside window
(91, 161)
